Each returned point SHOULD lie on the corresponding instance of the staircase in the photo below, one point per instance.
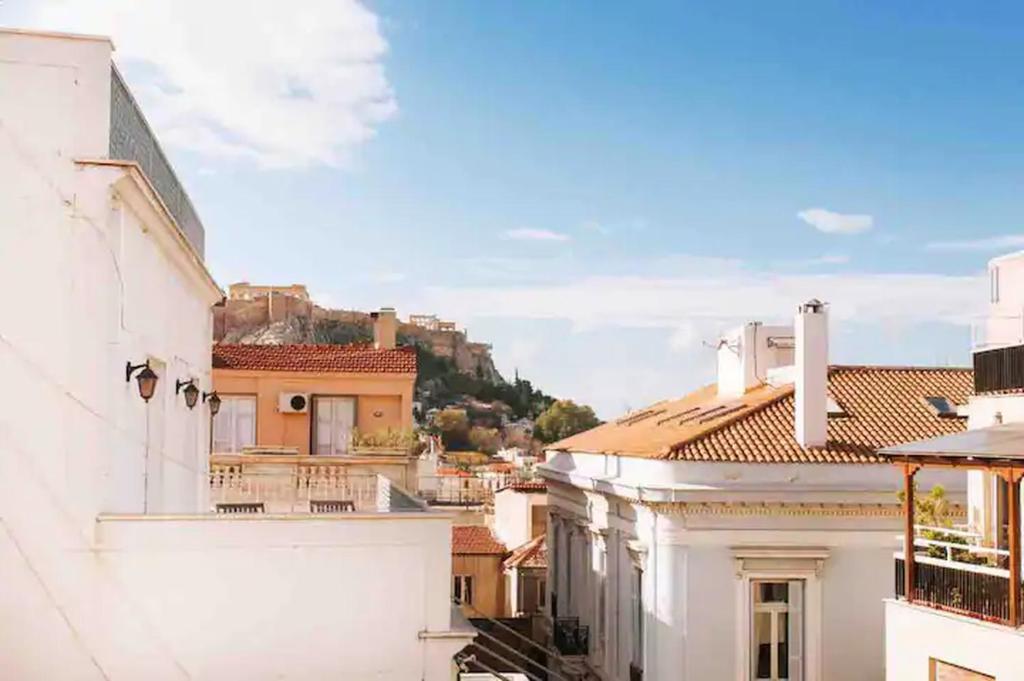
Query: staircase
(509, 647)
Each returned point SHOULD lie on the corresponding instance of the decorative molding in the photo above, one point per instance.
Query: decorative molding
(740, 508)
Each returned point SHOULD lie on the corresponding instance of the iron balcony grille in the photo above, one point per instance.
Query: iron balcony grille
(999, 369)
(131, 139)
(965, 592)
(571, 637)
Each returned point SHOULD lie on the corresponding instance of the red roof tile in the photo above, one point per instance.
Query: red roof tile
(356, 358)
(532, 554)
(882, 406)
(475, 539)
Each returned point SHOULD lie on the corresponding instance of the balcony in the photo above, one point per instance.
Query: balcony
(131, 139)
(953, 572)
(570, 637)
(304, 488)
(456, 490)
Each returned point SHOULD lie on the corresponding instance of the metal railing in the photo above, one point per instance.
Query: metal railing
(131, 139)
(973, 590)
(570, 637)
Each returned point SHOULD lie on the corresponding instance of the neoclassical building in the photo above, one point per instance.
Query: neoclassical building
(746, 530)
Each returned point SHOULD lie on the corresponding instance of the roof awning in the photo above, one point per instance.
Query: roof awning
(995, 446)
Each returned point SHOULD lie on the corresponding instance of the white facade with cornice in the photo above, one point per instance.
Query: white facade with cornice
(688, 570)
(111, 564)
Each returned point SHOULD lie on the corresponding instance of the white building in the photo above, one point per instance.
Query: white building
(962, 619)
(744, 531)
(110, 565)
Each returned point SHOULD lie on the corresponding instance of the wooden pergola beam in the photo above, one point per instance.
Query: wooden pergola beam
(909, 564)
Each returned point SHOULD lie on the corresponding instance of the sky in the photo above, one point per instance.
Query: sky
(597, 189)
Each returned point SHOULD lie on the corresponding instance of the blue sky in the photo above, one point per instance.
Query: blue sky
(597, 188)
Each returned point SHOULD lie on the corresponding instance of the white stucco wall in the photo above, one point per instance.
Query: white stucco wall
(914, 635)
(513, 513)
(94, 275)
(693, 589)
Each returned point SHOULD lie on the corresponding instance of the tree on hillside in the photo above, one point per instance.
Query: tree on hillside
(453, 425)
(562, 419)
(486, 440)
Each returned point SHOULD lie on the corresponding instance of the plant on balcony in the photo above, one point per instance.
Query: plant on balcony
(391, 438)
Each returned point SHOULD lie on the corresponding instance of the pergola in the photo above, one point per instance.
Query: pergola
(997, 449)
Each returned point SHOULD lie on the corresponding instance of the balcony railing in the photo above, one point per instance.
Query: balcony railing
(571, 637)
(452, 490)
(131, 139)
(307, 489)
(953, 572)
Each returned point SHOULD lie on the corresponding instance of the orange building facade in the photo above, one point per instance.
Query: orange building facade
(310, 399)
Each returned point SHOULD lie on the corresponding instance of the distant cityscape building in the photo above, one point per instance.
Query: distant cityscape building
(243, 290)
(430, 322)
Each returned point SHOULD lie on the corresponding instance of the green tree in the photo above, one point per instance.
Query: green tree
(453, 425)
(486, 440)
(562, 419)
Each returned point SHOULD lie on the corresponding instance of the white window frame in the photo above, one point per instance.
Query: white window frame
(755, 564)
(333, 446)
(228, 411)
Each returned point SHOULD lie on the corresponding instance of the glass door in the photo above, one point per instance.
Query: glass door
(777, 631)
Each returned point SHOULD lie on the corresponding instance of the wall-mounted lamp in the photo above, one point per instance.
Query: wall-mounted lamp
(191, 391)
(147, 379)
(214, 400)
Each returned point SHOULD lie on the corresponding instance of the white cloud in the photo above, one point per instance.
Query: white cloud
(836, 223)
(526, 234)
(282, 84)
(684, 303)
(995, 243)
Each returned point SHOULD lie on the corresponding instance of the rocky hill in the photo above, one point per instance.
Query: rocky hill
(278, 318)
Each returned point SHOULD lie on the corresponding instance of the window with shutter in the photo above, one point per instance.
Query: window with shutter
(333, 421)
(234, 426)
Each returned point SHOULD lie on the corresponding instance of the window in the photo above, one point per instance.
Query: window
(462, 589)
(333, 420)
(943, 671)
(777, 630)
(234, 426)
(637, 617)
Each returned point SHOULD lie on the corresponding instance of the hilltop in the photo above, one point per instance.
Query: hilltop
(452, 369)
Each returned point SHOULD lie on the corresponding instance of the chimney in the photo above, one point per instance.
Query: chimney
(812, 374)
(749, 354)
(385, 327)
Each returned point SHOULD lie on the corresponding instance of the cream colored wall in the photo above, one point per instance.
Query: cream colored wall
(914, 635)
(488, 583)
(390, 394)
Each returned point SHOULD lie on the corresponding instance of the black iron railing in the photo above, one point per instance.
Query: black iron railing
(999, 369)
(571, 637)
(966, 589)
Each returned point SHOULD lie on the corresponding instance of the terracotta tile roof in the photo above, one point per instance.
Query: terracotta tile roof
(882, 406)
(475, 539)
(532, 554)
(357, 358)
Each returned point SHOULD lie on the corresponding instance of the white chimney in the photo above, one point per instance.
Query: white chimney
(812, 374)
(385, 328)
(747, 354)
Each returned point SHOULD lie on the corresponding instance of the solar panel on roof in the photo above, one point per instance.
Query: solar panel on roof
(677, 415)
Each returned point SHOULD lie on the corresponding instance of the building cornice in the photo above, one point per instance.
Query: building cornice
(796, 509)
(135, 188)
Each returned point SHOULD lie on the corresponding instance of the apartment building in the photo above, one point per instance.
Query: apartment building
(958, 605)
(113, 566)
(744, 530)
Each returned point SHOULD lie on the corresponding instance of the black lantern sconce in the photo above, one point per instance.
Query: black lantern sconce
(191, 391)
(214, 400)
(147, 379)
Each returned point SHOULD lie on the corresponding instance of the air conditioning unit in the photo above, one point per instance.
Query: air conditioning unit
(293, 403)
